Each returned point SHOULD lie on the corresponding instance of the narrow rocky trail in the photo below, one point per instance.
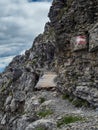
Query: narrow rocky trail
(45, 108)
(59, 108)
(52, 109)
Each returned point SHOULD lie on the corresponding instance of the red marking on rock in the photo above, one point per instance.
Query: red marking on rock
(81, 40)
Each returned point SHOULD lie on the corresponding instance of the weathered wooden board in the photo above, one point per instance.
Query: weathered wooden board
(47, 81)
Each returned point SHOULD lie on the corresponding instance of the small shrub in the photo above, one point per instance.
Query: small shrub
(80, 103)
(9, 83)
(65, 96)
(41, 99)
(68, 120)
(10, 93)
(69, 3)
(61, 13)
(70, 99)
(3, 88)
(44, 113)
(40, 128)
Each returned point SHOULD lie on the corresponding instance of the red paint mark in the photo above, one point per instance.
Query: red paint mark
(81, 40)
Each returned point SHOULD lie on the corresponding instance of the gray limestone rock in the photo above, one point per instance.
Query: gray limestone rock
(93, 38)
(19, 96)
(3, 121)
(41, 124)
(8, 100)
(13, 105)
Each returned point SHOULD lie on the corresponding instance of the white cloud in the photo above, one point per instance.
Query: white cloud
(20, 22)
(4, 62)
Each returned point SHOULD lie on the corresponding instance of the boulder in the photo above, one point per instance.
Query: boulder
(19, 96)
(31, 105)
(13, 105)
(41, 124)
(16, 73)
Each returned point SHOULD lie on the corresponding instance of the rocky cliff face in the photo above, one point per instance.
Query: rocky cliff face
(68, 47)
(76, 31)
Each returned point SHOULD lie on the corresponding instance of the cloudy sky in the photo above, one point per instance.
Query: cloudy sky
(20, 22)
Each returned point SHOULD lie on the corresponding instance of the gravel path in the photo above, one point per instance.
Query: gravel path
(62, 108)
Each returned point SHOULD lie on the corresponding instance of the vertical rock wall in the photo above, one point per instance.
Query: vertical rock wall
(76, 27)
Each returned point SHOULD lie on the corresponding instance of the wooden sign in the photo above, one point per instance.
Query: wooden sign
(47, 81)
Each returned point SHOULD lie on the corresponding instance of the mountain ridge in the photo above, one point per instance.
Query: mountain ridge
(68, 47)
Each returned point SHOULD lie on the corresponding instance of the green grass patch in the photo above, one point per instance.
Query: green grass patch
(40, 128)
(44, 113)
(77, 102)
(68, 120)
